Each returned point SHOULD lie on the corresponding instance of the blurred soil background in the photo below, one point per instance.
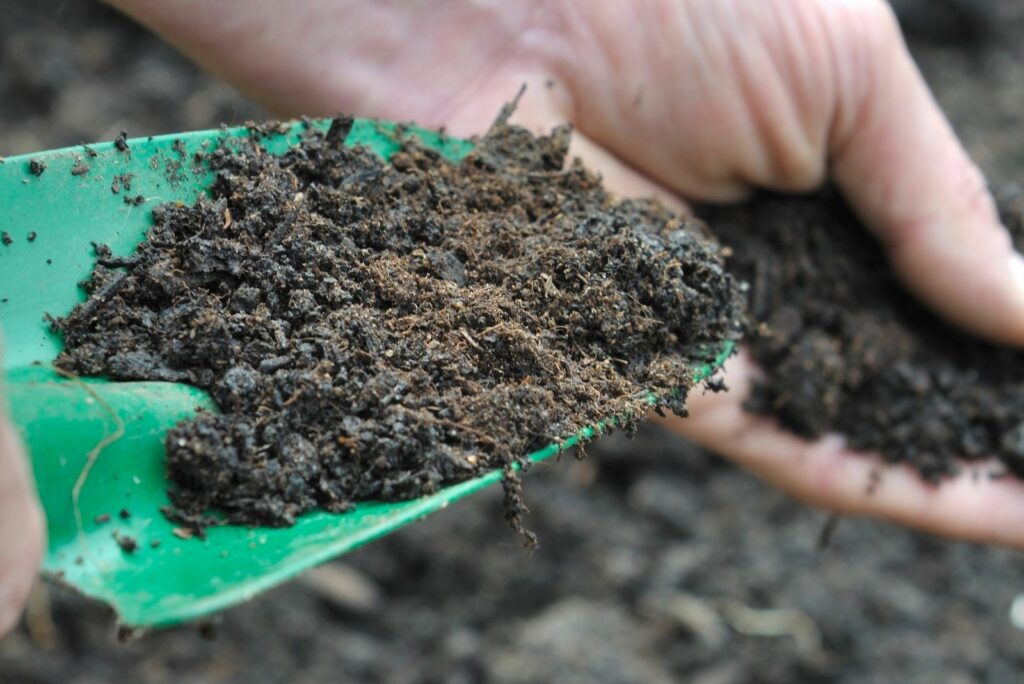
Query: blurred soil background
(658, 562)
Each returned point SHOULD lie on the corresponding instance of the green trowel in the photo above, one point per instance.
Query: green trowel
(97, 446)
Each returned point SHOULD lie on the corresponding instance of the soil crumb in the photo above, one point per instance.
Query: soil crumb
(376, 331)
(127, 543)
(121, 180)
(847, 349)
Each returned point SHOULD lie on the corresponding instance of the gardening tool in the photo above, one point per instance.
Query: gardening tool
(97, 447)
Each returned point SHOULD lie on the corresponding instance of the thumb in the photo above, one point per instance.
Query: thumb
(21, 527)
(900, 165)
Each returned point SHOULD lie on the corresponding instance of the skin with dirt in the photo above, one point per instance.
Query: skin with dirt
(846, 349)
(375, 331)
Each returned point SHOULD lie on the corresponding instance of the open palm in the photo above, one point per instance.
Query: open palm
(699, 99)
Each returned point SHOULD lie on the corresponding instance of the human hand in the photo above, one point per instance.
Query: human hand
(21, 528)
(703, 99)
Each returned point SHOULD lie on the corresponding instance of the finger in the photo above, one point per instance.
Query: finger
(21, 528)
(438, 64)
(825, 474)
(901, 166)
(621, 179)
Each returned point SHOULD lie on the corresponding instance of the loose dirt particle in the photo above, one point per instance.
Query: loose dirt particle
(80, 168)
(127, 543)
(121, 181)
(375, 331)
(208, 630)
(36, 167)
(121, 141)
(6, 238)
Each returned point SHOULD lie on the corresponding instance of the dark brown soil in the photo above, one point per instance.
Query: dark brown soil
(846, 349)
(642, 541)
(375, 331)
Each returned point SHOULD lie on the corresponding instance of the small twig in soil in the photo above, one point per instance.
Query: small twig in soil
(86, 310)
(515, 508)
(118, 262)
(507, 109)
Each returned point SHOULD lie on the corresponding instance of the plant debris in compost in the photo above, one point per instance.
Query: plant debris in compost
(121, 141)
(375, 331)
(845, 348)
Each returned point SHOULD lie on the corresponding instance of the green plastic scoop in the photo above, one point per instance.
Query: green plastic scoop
(97, 446)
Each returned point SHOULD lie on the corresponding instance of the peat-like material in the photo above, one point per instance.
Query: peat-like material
(846, 349)
(375, 331)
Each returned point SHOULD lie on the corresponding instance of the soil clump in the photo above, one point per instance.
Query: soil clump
(845, 348)
(375, 331)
